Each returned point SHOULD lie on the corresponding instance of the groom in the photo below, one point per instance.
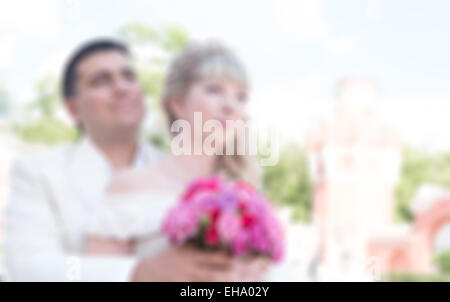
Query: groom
(53, 193)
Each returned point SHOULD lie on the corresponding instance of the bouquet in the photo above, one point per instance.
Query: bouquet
(214, 214)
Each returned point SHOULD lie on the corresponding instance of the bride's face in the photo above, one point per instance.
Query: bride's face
(216, 99)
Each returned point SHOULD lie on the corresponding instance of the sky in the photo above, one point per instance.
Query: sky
(295, 51)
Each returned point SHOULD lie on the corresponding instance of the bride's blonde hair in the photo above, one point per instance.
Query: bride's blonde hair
(205, 60)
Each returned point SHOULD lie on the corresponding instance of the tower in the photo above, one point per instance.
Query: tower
(355, 161)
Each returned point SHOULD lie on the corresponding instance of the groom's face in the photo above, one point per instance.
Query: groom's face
(109, 98)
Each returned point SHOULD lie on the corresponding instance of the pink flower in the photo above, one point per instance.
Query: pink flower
(259, 239)
(181, 223)
(276, 236)
(277, 252)
(205, 202)
(228, 225)
(202, 185)
(240, 244)
(211, 236)
(235, 215)
(247, 220)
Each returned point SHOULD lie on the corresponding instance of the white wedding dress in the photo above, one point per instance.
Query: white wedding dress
(140, 216)
(134, 216)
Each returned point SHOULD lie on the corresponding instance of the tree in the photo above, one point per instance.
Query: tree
(288, 182)
(161, 44)
(4, 103)
(442, 260)
(158, 46)
(41, 114)
(47, 100)
(170, 38)
(42, 125)
(419, 168)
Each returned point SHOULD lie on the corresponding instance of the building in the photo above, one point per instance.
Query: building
(355, 160)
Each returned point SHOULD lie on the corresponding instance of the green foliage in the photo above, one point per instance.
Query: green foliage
(43, 126)
(414, 172)
(415, 277)
(47, 100)
(152, 83)
(442, 260)
(419, 168)
(4, 103)
(160, 143)
(166, 41)
(136, 33)
(46, 130)
(174, 38)
(288, 183)
(170, 38)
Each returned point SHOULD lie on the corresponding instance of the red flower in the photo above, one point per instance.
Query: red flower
(242, 205)
(211, 235)
(247, 220)
(214, 216)
(202, 185)
(227, 215)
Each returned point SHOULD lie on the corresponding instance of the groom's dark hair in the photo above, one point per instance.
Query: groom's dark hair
(70, 71)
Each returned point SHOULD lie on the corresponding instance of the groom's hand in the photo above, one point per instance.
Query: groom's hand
(188, 264)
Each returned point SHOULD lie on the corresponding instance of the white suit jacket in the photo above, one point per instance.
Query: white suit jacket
(52, 195)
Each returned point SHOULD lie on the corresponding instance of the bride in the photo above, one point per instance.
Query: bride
(206, 78)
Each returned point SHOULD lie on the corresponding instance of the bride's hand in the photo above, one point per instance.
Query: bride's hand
(95, 245)
(252, 269)
(187, 264)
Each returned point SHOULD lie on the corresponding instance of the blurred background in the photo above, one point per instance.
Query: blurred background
(358, 90)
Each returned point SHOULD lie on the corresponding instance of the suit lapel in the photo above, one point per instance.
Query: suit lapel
(79, 182)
